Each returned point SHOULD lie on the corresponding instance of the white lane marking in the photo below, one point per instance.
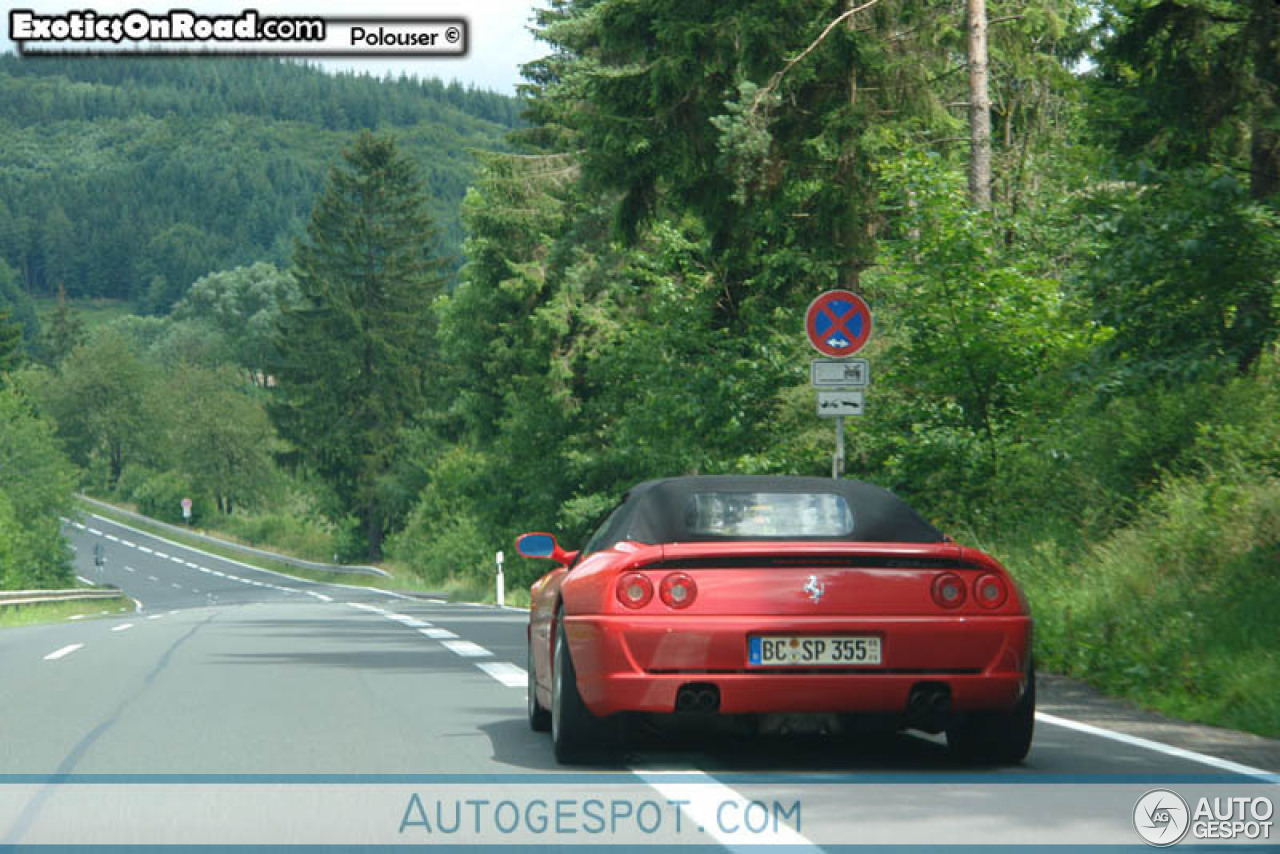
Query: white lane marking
(505, 672)
(162, 555)
(399, 618)
(195, 590)
(77, 616)
(219, 574)
(466, 648)
(192, 565)
(112, 537)
(206, 570)
(152, 578)
(435, 601)
(176, 586)
(66, 650)
(1158, 747)
(95, 532)
(85, 580)
(129, 569)
(145, 550)
(78, 525)
(438, 634)
(122, 627)
(320, 596)
(155, 616)
(416, 624)
(129, 543)
(702, 798)
(177, 559)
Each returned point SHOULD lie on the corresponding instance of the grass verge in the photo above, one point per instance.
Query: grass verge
(57, 612)
(1175, 612)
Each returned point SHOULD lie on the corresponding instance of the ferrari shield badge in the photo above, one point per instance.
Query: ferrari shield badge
(815, 589)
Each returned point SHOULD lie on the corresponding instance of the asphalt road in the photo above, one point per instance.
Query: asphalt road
(261, 678)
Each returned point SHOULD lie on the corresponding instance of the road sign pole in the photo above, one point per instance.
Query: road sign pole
(501, 584)
(837, 462)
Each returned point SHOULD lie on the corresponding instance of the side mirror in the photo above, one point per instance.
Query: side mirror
(543, 546)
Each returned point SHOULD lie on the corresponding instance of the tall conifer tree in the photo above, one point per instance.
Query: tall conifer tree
(356, 351)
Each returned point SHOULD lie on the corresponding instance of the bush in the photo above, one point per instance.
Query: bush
(1177, 610)
(160, 497)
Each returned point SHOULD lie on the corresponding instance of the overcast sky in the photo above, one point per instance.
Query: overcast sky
(500, 40)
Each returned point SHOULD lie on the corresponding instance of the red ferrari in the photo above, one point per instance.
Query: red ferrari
(778, 598)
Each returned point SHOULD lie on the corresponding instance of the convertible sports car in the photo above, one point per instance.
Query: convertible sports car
(777, 599)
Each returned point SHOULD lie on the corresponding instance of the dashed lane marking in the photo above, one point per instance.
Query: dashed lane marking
(466, 649)
(61, 653)
(123, 627)
(505, 672)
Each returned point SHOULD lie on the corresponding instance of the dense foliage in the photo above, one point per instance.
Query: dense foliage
(132, 178)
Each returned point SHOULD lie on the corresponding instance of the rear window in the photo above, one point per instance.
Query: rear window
(768, 514)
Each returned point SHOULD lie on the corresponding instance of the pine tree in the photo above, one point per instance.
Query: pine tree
(356, 351)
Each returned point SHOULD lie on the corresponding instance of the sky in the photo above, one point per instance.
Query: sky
(500, 41)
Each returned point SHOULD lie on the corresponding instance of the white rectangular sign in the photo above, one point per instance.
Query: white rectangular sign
(839, 373)
(835, 403)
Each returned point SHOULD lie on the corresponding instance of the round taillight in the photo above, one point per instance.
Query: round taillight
(990, 591)
(948, 590)
(678, 590)
(634, 590)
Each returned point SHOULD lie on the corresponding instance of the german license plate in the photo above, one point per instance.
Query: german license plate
(787, 651)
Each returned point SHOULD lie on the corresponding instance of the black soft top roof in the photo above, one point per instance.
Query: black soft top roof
(655, 511)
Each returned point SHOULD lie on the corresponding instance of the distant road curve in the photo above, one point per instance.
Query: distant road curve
(248, 550)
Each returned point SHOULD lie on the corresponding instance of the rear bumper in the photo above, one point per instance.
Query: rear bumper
(638, 664)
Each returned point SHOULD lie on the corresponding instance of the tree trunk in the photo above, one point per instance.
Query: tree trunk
(979, 108)
(1264, 147)
(373, 528)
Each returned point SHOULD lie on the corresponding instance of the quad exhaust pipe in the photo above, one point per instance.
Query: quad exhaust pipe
(698, 697)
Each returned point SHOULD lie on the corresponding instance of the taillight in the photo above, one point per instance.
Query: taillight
(634, 590)
(990, 591)
(678, 590)
(948, 590)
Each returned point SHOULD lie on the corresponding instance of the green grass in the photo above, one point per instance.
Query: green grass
(1175, 612)
(57, 612)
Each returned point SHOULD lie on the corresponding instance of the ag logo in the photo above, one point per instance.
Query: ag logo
(1161, 817)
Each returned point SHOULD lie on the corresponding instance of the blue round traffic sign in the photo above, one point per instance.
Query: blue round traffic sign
(838, 323)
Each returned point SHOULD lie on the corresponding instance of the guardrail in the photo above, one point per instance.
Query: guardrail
(31, 597)
(250, 550)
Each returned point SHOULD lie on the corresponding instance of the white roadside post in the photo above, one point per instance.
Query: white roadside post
(502, 583)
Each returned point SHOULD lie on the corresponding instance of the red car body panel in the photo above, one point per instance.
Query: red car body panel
(637, 659)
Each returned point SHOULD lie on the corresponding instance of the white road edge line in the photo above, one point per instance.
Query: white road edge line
(85, 580)
(378, 590)
(505, 672)
(66, 650)
(701, 799)
(1158, 747)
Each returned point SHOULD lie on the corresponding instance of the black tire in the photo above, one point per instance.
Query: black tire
(576, 734)
(997, 738)
(539, 717)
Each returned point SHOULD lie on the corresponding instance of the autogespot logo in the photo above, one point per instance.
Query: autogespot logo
(1161, 817)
